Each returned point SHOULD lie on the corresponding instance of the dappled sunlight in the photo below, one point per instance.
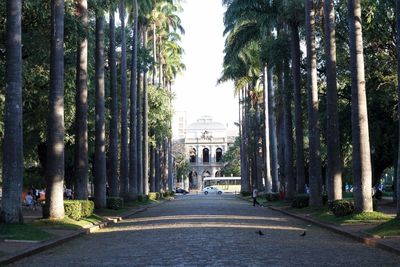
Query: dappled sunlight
(202, 225)
(196, 217)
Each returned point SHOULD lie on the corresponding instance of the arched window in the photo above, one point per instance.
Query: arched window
(218, 155)
(192, 155)
(217, 174)
(206, 155)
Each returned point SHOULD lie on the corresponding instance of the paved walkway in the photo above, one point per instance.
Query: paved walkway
(212, 231)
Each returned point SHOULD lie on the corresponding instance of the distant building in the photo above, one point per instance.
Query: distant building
(179, 123)
(205, 143)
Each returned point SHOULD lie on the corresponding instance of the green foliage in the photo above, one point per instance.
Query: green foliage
(272, 196)
(168, 194)
(87, 208)
(73, 209)
(154, 196)
(231, 160)
(341, 207)
(300, 201)
(143, 198)
(115, 203)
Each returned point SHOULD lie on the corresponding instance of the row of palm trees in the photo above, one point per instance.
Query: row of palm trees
(127, 169)
(263, 47)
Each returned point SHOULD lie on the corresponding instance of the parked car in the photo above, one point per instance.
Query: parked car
(212, 189)
(181, 191)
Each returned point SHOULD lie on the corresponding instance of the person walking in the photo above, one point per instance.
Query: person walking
(255, 192)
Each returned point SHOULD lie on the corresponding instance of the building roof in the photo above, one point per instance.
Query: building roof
(206, 123)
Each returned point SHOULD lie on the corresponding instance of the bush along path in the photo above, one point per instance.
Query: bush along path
(379, 228)
(37, 234)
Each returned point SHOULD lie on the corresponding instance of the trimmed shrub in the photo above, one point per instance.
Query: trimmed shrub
(143, 198)
(73, 209)
(300, 201)
(272, 196)
(341, 207)
(168, 194)
(87, 208)
(245, 193)
(154, 196)
(115, 203)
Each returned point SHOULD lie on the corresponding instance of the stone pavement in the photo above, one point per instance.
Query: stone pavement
(197, 230)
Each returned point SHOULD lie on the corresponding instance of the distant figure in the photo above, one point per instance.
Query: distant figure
(255, 192)
(68, 193)
(306, 189)
(29, 202)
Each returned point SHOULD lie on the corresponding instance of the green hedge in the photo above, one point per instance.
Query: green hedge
(115, 203)
(143, 198)
(272, 196)
(73, 209)
(341, 207)
(168, 194)
(300, 201)
(78, 209)
(87, 208)
(154, 196)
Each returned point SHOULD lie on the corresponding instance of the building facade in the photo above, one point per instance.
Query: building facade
(205, 143)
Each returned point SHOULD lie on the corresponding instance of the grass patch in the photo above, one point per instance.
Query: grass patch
(23, 232)
(68, 223)
(111, 212)
(364, 217)
(389, 228)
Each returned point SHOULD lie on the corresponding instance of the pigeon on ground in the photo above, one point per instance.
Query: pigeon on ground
(303, 234)
(260, 233)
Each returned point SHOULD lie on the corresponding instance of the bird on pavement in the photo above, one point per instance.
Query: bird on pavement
(259, 232)
(303, 234)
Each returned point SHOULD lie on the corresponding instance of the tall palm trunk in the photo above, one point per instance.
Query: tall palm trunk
(295, 51)
(152, 179)
(145, 126)
(113, 149)
(170, 163)
(139, 136)
(124, 160)
(258, 147)
(54, 207)
(266, 134)
(157, 174)
(360, 135)
(133, 189)
(13, 162)
(313, 126)
(244, 182)
(100, 146)
(398, 106)
(288, 138)
(154, 74)
(81, 143)
(334, 184)
(272, 133)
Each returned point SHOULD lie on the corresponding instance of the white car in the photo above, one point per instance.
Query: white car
(212, 189)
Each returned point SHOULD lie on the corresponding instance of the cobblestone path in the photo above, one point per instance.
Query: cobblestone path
(196, 230)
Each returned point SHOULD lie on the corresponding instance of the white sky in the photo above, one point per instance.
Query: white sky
(196, 89)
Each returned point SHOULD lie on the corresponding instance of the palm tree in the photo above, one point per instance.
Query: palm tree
(360, 135)
(313, 127)
(398, 93)
(124, 160)
(81, 145)
(133, 186)
(54, 207)
(145, 125)
(113, 149)
(13, 163)
(334, 171)
(100, 157)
